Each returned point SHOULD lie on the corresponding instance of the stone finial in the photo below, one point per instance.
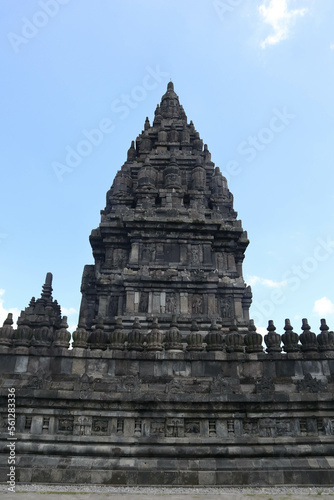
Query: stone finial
(62, 337)
(42, 337)
(154, 337)
(7, 331)
(47, 287)
(173, 338)
(81, 335)
(170, 86)
(290, 338)
(252, 339)
(63, 323)
(135, 337)
(325, 338)
(132, 152)
(195, 340)
(214, 338)
(9, 320)
(308, 338)
(98, 339)
(118, 336)
(147, 124)
(23, 335)
(272, 339)
(234, 340)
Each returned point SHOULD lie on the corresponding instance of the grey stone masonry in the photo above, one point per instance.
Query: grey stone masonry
(169, 242)
(167, 381)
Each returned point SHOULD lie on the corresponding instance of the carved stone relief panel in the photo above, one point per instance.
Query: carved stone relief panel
(148, 253)
(226, 307)
(192, 427)
(196, 304)
(143, 302)
(100, 426)
(120, 257)
(175, 427)
(250, 427)
(171, 303)
(82, 425)
(66, 425)
(158, 427)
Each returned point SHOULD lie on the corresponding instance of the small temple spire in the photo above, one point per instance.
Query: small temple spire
(47, 287)
(170, 86)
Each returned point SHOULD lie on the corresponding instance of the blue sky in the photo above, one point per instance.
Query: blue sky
(256, 78)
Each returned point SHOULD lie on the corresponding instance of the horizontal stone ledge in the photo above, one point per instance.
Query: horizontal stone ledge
(212, 442)
(181, 451)
(252, 476)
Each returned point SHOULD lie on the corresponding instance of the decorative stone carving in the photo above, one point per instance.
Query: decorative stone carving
(143, 302)
(23, 335)
(147, 175)
(129, 383)
(192, 427)
(267, 427)
(250, 427)
(171, 303)
(132, 152)
(158, 427)
(81, 335)
(118, 336)
(154, 338)
(252, 339)
(174, 427)
(308, 338)
(198, 178)
(325, 338)
(81, 425)
(172, 175)
(173, 338)
(226, 307)
(214, 338)
(98, 339)
(265, 386)
(62, 337)
(197, 304)
(42, 337)
(100, 426)
(135, 337)
(272, 339)
(310, 384)
(195, 340)
(7, 331)
(290, 338)
(66, 425)
(234, 340)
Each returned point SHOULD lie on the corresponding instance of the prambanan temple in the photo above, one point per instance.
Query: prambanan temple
(167, 380)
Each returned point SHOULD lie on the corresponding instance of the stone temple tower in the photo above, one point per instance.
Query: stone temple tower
(167, 382)
(169, 243)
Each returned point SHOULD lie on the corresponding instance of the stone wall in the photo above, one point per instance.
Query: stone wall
(170, 417)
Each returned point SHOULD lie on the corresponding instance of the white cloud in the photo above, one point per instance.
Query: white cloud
(253, 280)
(276, 13)
(4, 312)
(331, 46)
(262, 330)
(323, 306)
(68, 311)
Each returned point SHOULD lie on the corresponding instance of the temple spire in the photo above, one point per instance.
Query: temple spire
(47, 287)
